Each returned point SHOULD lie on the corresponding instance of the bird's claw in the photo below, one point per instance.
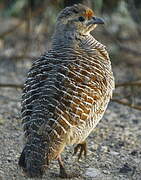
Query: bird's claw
(83, 150)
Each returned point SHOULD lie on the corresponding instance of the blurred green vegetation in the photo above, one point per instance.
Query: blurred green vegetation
(122, 16)
(19, 7)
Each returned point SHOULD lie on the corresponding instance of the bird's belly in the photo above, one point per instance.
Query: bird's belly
(79, 133)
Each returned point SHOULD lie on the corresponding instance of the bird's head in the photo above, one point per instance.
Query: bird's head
(78, 18)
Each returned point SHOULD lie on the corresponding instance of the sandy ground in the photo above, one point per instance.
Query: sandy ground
(114, 147)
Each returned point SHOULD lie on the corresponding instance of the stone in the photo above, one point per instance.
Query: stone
(93, 172)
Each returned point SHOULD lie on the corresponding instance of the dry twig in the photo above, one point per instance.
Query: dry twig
(17, 57)
(132, 83)
(126, 104)
(11, 85)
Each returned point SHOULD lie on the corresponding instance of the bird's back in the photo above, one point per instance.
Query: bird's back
(66, 94)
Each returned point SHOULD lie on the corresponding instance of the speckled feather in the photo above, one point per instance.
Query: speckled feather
(65, 95)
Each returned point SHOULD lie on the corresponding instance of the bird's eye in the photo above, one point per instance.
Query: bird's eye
(94, 18)
(81, 19)
(75, 11)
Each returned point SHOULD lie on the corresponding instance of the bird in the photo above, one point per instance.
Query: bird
(66, 92)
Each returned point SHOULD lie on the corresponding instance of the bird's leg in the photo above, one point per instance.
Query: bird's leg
(63, 173)
(83, 149)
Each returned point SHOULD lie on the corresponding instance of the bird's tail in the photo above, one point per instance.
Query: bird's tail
(33, 159)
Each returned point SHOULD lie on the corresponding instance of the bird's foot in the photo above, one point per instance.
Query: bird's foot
(63, 173)
(83, 149)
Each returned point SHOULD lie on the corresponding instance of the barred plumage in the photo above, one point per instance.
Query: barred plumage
(65, 95)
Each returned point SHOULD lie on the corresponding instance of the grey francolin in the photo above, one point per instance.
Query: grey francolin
(66, 92)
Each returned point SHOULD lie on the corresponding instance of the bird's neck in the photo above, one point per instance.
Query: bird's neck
(90, 43)
(64, 39)
(67, 39)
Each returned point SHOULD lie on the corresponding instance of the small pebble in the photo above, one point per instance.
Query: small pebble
(93, 172)
(1, 172)
(114, 153)
(106, 172)
(104, 149)
(125, 169)
(2, 121)
(135, 121)
(134, 153)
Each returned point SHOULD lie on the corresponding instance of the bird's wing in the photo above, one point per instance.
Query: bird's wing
(59, 93)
